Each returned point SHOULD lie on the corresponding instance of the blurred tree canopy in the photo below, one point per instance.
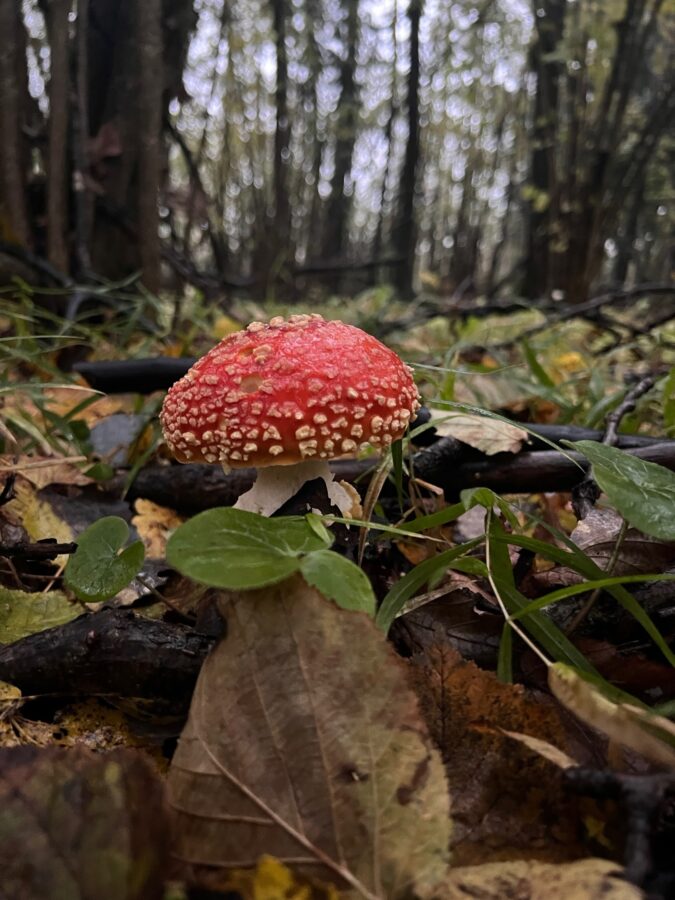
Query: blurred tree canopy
(473, 147)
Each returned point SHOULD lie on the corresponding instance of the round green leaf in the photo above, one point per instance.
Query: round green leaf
(339, 580)
(240, 550)
(642, 492)
(100, 568)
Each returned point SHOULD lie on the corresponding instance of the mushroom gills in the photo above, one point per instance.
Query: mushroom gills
(277, 484)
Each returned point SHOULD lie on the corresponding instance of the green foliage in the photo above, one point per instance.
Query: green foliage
(100, 567)
(643, 492)
(239, 550)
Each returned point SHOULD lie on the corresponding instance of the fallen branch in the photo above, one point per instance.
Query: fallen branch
(447, 464)
(112, 652)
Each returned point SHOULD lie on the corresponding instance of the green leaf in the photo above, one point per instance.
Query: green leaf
(505, 657)
(397, 462)
(542, 629)
(577, 560)
(642, 492)
(239, 550)
(22, 613)
(404, 589)
(100, 568)
(339, 580)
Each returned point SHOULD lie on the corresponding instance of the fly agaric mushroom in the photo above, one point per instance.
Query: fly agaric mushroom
(286, 397)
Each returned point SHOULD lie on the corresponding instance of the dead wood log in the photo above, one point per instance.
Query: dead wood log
(111, 652)
(446, 463)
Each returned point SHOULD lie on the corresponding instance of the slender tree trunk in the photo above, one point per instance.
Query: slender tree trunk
(12, 157)
(57, 155)
(337, 232)
(282, 130)
(541, 215)
(82, 198)
(150, 105)
(406, 233)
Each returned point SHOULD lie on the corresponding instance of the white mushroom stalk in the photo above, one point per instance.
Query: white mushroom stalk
(275, 485)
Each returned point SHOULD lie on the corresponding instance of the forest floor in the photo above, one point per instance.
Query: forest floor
(504, 719)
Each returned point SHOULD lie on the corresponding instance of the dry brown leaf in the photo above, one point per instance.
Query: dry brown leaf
(41, 470)
(543, 748)
(488, 435)
(597, 534)
(305, 742)
(508, 803)
(587, 879)
(154, 524)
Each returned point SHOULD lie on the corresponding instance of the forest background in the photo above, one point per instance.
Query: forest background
(291, 148)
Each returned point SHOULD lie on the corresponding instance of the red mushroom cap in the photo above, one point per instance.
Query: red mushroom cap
(289, 391)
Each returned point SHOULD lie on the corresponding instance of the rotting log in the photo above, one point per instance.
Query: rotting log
(110, 652)
(447, 464)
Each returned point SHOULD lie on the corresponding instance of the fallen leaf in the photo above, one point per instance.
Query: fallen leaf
(272, 880)
(641, 730)
(639, 553)
(507, 802)
(154, 524)
(304, 741)
(543, 748)
(37, 516)
(23, 613)
(486, 434)
(587, 879)
(42, 470)
(79, 825)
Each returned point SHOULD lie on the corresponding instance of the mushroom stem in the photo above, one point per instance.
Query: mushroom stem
(277, 484)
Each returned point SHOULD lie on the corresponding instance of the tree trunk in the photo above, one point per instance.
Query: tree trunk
(282, 130)
(13, 163)
(337, 232)
(150, 106)
(405, 235)
(541, 214)
(57, 155)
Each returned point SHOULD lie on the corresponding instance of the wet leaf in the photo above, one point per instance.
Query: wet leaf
(23, 613)
(643, 492)
(80, 826)
(100, 568)
(304, 741)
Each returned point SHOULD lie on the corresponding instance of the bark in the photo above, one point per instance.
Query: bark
(282, 129)
(82, 197)
(405, 231)
(13, 162)
(57, 154)
(109, 652)
(543, 142)
(150, 91)
(337, 232)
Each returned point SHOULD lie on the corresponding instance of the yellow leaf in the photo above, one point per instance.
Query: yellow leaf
(154, 524)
